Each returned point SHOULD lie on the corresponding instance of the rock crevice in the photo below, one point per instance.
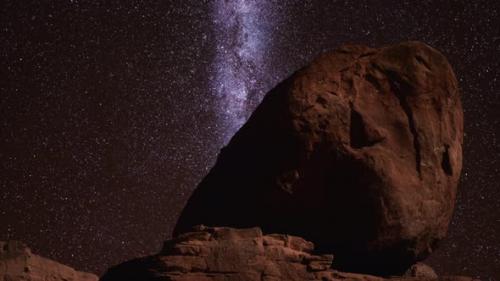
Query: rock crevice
(401, 90)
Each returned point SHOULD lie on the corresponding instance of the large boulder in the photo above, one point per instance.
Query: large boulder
(228, 254)
(359, 152)
(18, 263)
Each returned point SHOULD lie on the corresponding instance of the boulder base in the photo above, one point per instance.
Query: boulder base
(228, 254)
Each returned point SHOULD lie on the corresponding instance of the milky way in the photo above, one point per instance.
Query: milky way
(241, 31)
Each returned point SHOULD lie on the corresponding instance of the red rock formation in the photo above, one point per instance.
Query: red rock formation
(228, 254)
(359, 152)
(213, 254)
(17, 263)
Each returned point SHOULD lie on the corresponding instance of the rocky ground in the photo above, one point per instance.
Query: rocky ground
(221, 253)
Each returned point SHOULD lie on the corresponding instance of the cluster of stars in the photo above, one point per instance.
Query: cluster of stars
(243, 35)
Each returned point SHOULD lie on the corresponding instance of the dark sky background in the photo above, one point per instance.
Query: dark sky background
(112, 111)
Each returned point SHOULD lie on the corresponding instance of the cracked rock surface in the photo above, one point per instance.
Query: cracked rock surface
(359, 152)
(228, 254)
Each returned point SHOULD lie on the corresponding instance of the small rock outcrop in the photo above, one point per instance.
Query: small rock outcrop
(359, 152)
(422, 271)
(17, 263)
(227, 254)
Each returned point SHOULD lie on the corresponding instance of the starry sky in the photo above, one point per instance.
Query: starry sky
(112, 111)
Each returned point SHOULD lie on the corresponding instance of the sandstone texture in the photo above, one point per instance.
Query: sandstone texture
(227, 254)
(17, 263)
(359, 152)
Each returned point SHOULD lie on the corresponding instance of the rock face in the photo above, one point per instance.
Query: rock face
(17, 263)
(359, 152)
(227, 254)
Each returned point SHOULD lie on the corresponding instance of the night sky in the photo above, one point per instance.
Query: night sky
(112, 111)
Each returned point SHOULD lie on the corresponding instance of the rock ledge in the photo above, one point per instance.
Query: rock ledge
(229, 254)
